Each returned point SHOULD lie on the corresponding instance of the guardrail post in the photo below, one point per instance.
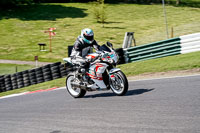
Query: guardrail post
(128, 40)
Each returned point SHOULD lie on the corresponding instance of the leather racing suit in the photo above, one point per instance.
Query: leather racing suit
(81, 49)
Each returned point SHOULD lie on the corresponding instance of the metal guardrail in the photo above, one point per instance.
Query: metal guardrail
(190, 43)
(180, 45)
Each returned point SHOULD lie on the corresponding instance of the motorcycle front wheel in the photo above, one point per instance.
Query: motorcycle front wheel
(119, 85)
(74, 92)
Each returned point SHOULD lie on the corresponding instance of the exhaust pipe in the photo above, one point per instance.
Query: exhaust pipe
(85, 87)
(80, 86)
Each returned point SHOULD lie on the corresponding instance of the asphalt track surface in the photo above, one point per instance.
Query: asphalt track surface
(169, 105)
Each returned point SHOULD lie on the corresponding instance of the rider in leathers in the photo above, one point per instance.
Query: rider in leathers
(82, 46)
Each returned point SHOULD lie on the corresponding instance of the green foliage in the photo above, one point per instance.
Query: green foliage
(11, 3)
(100, 1)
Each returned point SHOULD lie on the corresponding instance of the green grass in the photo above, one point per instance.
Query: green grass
(13, 68)
(23, 28)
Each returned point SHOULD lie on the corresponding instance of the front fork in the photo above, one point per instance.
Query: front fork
(111, 73)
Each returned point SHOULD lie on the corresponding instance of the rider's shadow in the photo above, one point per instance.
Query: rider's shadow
(129, 93)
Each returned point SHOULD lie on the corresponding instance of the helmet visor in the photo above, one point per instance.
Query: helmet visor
(90, 38)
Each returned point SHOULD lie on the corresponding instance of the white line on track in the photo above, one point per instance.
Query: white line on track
(31, 92)
(166, 77)
(13, 95)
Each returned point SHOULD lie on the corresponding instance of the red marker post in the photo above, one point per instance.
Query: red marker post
(51, 32)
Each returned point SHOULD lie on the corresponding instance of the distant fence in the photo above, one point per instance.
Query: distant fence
(180, 45)
(33, 76)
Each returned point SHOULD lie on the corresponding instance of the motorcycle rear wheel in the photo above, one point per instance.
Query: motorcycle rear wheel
(120, 85)
(74, 92)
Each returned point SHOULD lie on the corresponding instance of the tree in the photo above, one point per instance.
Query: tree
(99, 12)
(11, 3)
(178, 2)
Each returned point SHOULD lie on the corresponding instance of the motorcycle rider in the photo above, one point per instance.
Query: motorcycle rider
(82, 47)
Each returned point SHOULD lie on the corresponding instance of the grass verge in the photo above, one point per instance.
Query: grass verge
(13, 68)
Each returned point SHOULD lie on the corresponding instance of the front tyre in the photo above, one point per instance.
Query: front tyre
(74, 92)
(119, 85)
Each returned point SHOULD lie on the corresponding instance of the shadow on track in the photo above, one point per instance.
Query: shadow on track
(57, 131)
(129, 93)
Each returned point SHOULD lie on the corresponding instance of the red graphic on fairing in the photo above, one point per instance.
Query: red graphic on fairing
(92, 56)
(98, 65)
(112, 76)
(94, 77)
(96, 73)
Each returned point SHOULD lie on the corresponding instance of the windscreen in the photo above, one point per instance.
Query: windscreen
(104, 48)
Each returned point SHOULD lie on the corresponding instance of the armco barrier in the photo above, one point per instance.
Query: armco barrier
(180, 45)
(190, 43)
(33, 76)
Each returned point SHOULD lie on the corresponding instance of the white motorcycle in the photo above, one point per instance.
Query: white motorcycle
(100, 75)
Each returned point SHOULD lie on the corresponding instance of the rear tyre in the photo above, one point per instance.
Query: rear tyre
(120, 84)
(74, 92)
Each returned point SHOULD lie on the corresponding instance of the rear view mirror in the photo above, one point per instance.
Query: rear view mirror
(109, 44)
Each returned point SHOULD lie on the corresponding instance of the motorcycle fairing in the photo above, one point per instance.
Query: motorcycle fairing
(95, 73)
(92, 56)
(114, 56)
